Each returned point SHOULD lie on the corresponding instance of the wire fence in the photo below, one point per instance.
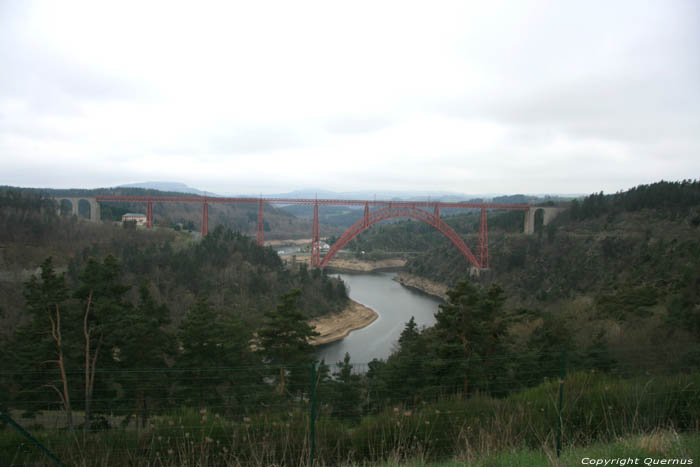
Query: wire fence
(344, 413)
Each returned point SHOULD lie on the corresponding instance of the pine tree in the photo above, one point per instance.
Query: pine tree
(469, 328)
(144, 344)
(409, 334)
(103, 310)
(347, 391)
(46, 298)
(407, 366)
(216, 365)
(284, 339)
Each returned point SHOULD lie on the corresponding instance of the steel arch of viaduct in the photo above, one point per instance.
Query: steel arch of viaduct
(388, 209)
(400, 211)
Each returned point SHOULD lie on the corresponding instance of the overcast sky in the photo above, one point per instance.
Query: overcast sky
(260, 97)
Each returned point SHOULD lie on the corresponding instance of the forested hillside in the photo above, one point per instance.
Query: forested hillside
(648, 235)
(226, 268)
(279, 224)
(201, 343)
(620, 270)
(105, 297)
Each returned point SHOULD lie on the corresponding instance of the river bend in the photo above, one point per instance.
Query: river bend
(395, 305)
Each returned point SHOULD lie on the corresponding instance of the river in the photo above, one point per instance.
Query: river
(395, 305)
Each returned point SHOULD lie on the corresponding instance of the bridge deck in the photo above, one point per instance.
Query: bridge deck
(310, 201)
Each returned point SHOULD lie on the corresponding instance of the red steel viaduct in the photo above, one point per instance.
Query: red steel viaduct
(425, 211)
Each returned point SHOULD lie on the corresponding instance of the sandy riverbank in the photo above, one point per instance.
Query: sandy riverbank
(295, 241)
(355, 265)
(422, 284)
(335, 326)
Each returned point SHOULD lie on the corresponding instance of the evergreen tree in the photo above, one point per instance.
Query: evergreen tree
(377, 385)
(43, 339)
(145, 346)
(215, 365)
(409, 334)
(5, 377)
(544, 347)
(405, 369)
(101, 295)
(469, 328)
(284, 339)
(347, 391)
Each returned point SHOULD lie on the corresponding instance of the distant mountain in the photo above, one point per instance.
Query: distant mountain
(309, 193)
(168, 186)
(382, 195)
(444, 196)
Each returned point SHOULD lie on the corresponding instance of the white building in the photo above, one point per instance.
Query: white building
(140, 219)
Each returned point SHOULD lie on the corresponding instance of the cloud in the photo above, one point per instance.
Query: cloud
(464, 96)
(354, 124)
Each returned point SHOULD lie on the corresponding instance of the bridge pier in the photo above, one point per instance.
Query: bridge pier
(205, 219)
(149, 214)
(315, 241)
(483, 240)
(548, 213)
(261, 224)
(95, 213)
(481, 275)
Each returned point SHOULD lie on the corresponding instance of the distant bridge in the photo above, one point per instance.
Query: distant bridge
(425, 211)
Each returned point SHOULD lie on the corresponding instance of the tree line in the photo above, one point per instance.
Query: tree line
(86, 346)
(675, 197)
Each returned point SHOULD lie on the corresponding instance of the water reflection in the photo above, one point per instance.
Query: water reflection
(395, 305)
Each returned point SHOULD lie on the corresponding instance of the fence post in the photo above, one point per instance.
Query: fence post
(560, 434)
(312, 416)
(26, 434)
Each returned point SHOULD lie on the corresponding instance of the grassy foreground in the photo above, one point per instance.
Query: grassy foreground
(604, 417)
(662, 447)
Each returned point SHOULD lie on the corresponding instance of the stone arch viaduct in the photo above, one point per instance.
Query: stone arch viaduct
(94, 215)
